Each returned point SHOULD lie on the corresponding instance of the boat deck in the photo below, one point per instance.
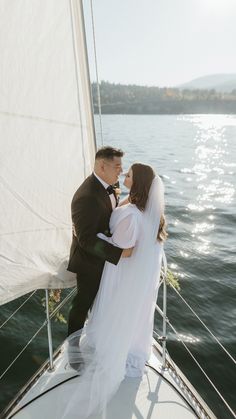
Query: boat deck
(157, 395)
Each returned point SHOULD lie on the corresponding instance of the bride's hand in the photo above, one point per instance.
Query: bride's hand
(127, 252)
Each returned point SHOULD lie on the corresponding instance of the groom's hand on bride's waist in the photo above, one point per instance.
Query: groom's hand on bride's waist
(127, 252)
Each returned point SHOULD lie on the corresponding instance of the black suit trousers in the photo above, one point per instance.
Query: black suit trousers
(87, 288)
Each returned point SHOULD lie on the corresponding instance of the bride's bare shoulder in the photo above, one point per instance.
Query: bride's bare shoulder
(124, 201)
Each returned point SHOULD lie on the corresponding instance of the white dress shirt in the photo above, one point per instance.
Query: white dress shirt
(105, 185)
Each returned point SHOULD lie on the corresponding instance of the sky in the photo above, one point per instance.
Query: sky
(161, 42)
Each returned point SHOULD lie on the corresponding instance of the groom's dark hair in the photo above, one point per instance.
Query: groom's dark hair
(108, 153)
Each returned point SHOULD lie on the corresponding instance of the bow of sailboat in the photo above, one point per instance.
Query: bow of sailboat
(157, 395)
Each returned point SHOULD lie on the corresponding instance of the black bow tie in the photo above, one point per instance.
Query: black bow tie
(110, 189)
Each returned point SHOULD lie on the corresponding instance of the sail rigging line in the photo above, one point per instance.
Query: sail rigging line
(24, 302)
(39, 118)
(18, 355)
(201, 321)
(24, 203)
(195, 360)
(96, 69)
(203, 371)
(12, 233)
(39, 330)
(74, 13)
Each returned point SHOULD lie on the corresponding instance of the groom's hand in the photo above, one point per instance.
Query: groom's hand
(127, 252)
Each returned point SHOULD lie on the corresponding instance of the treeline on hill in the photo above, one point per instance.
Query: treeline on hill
(132, 99)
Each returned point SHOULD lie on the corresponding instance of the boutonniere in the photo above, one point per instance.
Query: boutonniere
(117, 192)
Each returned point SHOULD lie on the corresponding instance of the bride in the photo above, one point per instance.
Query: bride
(117, 337)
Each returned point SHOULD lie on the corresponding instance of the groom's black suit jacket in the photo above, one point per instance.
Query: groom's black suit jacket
(91, 210)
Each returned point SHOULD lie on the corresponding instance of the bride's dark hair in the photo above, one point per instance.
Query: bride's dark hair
(143, 176)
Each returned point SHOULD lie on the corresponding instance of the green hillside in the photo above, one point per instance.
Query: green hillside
(132, 99)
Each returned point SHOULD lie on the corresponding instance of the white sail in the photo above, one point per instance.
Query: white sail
(46, 139)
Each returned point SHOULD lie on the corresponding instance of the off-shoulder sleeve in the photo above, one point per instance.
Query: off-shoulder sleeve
(126, 232)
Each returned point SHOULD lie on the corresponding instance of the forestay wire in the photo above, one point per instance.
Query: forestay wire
(190, 353)
(52, 314)
(204, 325)
(203, 371)
(12, 315)
(96, 69)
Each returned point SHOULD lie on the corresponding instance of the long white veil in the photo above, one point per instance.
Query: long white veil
(106, 342)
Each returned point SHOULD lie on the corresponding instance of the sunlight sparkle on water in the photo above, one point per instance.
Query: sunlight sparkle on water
(188, 338)
(210, 176)
(186, 170)
(204, 248)
(218, 170)
(213, 121)
(218, 191)
(184, 254)
(203, 227)
(194, 207)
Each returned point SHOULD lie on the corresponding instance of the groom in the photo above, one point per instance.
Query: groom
(91, 207)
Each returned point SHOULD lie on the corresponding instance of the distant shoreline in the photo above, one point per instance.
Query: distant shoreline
(165, 113)
(141, 100)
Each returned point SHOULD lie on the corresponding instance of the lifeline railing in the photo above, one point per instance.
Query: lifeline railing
(162, 339)
(47, 323)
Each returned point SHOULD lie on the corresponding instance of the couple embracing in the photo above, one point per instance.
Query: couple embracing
(116, 252)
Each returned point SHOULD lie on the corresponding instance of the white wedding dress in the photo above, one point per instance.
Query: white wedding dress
(117, 337)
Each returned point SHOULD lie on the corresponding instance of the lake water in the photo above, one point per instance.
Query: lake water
(196, 157)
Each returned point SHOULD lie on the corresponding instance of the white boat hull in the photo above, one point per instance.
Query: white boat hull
(159, 394)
